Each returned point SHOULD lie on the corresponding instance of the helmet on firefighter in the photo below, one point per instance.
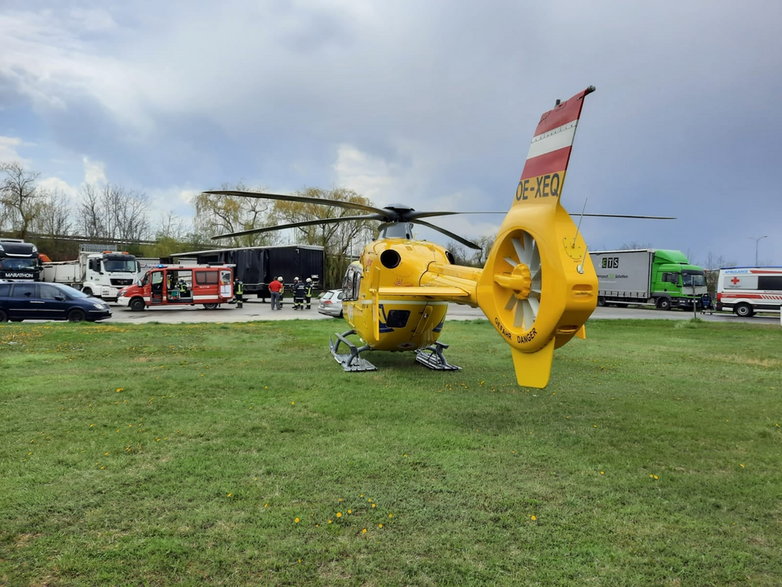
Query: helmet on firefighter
(295, 279)
(279, 278)
(308, 280)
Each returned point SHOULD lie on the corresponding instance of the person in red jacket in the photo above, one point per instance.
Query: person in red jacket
(276, 288)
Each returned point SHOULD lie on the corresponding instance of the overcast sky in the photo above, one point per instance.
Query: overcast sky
(428, 103)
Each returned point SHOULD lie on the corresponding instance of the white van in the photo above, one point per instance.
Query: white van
(746, 290)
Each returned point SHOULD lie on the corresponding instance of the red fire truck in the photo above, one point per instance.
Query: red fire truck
(178, 285)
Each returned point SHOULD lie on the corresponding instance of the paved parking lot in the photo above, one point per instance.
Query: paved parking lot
(257, 310)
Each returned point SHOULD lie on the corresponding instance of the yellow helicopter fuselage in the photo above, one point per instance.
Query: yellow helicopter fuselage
(389, 301)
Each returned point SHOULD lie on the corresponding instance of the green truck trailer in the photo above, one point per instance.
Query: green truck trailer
(661, 277)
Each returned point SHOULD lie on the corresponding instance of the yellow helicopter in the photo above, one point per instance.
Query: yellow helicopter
(537, 288)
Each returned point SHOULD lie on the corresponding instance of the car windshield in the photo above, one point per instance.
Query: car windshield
(8, 263)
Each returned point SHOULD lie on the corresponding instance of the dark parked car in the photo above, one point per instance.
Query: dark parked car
(27, 300)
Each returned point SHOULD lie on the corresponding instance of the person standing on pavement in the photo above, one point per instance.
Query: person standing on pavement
(308, 293)
(276, 288)
(299, 291)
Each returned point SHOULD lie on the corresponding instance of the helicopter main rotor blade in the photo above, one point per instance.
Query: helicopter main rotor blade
(297, 224)
(303, 199)
(413, 215)
(450, 234)
(628, 216)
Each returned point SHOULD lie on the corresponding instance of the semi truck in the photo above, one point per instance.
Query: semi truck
(661, 277)
(746, 290)
(100, 274)
(19, 260)
(256, 267)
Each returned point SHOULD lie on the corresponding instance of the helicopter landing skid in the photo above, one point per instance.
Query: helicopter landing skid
(432, 357)
(350, 361)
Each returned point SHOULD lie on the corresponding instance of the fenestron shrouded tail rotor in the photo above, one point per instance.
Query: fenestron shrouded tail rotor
(538, 286)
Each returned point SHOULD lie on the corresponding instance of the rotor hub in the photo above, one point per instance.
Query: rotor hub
(519, 281)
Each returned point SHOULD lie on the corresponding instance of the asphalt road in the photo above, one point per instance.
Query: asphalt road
(257, 310)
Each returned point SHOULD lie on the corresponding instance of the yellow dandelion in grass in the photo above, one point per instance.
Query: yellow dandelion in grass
(390, 515)
(339, 514)
(293, 403)
(329, 521)
(119, 389)
(741, 465)
(296, 520)
(363, 530)
(229, 494)
(533, 517)
(602, 472)
(653, 476)
(380, 525)
(266, 505)
(350, 512)
(374, 505)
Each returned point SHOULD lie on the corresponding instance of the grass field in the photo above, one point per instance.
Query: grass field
(242, 455)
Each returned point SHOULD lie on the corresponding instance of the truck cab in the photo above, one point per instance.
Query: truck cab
(19, 260)
(177, 285)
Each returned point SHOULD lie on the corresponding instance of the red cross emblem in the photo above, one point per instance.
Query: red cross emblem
(735, 280)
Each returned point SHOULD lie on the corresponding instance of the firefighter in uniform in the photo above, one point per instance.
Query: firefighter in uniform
(239, 292)
(299, 291)
(308, 293)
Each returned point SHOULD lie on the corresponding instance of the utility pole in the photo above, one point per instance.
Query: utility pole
(757, 241)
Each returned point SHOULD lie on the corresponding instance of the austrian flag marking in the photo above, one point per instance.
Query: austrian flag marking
(549, 152)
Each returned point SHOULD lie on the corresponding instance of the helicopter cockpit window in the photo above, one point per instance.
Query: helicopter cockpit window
(351, 285)
(356, 285)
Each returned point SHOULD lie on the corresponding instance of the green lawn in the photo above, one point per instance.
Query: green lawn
(241, 454)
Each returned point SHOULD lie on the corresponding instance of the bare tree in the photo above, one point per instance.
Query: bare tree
(113, 212)
(217, 214)
(55, 215)
(20, 198)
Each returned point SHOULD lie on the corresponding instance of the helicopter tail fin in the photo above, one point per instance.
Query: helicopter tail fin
(538, 286)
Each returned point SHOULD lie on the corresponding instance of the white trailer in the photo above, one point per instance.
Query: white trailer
(746, 290)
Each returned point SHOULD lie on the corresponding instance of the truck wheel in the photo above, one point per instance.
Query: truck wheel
(3, 316)
(211, 306)
(136, 304)
(76, 315)
(601, 301)
(664, 304)
(87, 291)
(743, 310)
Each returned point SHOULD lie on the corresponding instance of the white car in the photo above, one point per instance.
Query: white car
(330, 303)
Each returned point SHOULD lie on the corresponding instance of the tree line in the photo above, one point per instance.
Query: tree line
(107, 213)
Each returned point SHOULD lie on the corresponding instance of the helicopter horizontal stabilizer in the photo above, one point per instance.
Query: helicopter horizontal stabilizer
(434, 291)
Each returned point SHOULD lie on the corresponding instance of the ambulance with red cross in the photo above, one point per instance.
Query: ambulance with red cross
(746, 290)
